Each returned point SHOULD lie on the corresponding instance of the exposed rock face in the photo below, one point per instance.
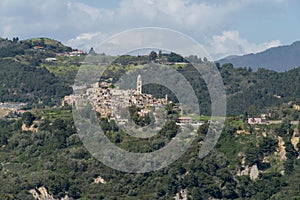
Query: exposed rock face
(244, 172)
(182, 195)
(31, 128)
(254, 172)
(281, 152)
(41, 193)
(296, 107)
(266, 159)
(281, 169)
(99, 180)
(295, 141)
(245, 168)
(239, 132)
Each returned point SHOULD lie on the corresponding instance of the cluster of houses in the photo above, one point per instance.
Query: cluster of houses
(70, 54)
(112, 103)
(11, 110)
(73, 53)
(257, 120)
(109, 101)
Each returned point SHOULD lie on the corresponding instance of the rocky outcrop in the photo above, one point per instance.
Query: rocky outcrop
(254, 172)
(295, 140)
(280, 151)
(32, 128)
(41, 193)
(99, 180)
(239, 132)
(296, 107)
(182, 195)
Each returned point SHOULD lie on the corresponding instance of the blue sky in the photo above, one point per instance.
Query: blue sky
(224, 27)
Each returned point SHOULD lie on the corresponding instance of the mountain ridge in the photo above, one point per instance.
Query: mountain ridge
(281, 58)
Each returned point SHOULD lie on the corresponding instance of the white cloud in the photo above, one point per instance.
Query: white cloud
(183, 15)
(87, 40)
(193, 18)
(231, 43)
(82, 26)
(75, 18)
(218, 46)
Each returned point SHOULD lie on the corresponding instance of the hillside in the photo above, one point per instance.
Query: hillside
(280, 58)
(42, 154)
(26, 75)
(244, 87)
(263, 89)
(51, 157)
(45, 46)
(23, 83)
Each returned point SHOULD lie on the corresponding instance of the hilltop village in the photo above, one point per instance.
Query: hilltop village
(109, 101)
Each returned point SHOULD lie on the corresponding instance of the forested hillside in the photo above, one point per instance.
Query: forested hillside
(51, 155)
(29, 84)
(24, 76)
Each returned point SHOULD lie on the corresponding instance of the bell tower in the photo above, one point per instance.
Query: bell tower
(139, 84)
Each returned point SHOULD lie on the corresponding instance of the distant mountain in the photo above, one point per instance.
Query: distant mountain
(280, 58)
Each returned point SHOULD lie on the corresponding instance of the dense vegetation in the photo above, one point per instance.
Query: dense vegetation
(25, 76)
(42, 148)
(263, 89)
(55, 158)
(23, 83)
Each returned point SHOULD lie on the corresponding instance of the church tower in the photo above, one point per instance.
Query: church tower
(139, 84)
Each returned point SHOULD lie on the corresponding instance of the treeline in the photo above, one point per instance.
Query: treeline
(153, 57)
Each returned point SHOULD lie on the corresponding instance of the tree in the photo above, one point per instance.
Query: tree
(92, 52)
(268, 145)
(15, 39)
(252, 111)
(203, 129)
(153, 55)
(288, 166)
(161, 192)
(253, 155)
(28, 118)
(59, 124)
(196, 194)
(159, 54)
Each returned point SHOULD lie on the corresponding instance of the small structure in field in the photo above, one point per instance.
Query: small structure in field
(256, 120)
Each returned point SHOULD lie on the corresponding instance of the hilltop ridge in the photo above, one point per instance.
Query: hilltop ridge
(281, 58)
